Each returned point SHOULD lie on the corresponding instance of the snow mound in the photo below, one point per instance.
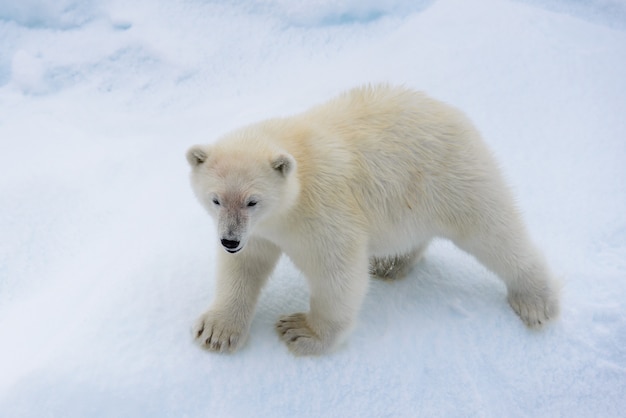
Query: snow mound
(606, 12)
(52, 14)
(331, 12)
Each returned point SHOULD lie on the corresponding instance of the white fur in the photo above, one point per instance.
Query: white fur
(368, 178)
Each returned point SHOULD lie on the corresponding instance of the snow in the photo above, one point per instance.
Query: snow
(106, 259)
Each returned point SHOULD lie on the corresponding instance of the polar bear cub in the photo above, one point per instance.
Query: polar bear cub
(357, 185)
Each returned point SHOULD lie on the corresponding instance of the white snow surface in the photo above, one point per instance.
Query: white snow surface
(106, 258)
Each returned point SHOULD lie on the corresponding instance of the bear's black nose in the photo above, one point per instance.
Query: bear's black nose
(230, 244)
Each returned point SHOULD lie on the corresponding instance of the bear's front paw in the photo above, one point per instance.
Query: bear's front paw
(215, 331)
(300, 338)
(535, 310)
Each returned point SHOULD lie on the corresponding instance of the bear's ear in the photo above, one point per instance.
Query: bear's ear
(284, 164)
(196, 155)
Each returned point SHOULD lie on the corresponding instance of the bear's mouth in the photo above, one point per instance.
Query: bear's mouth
(232, 251)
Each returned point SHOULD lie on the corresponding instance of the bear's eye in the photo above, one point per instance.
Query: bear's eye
(252, 203)
(216, 202)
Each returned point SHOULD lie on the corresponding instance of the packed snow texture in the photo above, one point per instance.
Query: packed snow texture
(106, 259)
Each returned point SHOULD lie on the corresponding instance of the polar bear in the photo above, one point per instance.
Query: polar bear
(357, 185)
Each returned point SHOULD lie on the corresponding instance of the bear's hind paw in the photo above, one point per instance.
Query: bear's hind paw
(534, 310)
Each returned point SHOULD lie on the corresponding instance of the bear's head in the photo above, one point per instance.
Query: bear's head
(242, 185)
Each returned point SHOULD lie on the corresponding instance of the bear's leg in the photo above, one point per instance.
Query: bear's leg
(532, 292)
(240, 277)
(337, 292)
(395, 267)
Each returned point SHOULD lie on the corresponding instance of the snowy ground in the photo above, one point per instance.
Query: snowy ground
(106, 258)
